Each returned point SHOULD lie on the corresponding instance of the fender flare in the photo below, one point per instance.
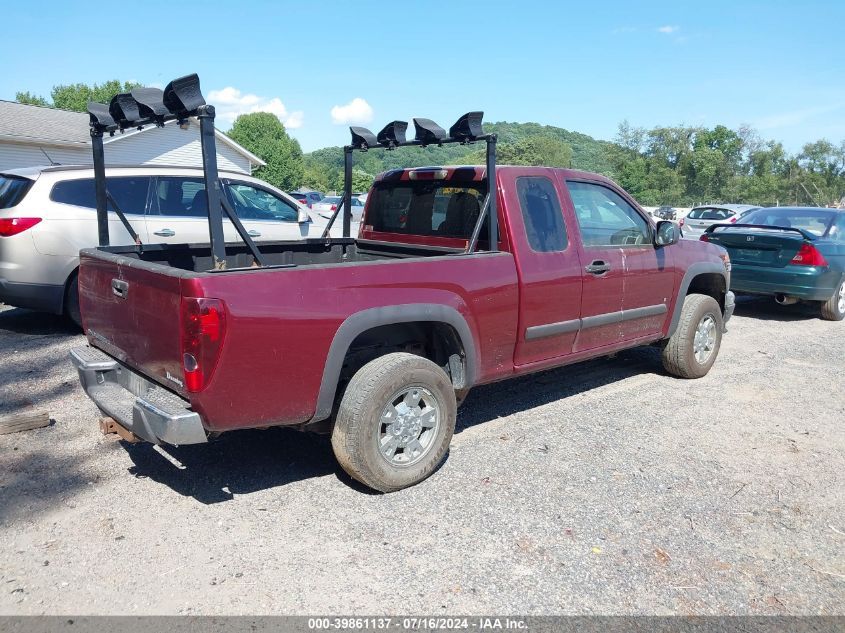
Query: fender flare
(698, 268)
(360, 322)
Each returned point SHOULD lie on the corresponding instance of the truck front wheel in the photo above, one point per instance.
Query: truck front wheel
(395, 422)
(692, 349)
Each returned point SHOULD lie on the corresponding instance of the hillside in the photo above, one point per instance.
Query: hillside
(587, 153)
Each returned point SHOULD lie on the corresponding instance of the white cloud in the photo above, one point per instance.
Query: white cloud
(231, 103)
(668, 29)
(356, 111)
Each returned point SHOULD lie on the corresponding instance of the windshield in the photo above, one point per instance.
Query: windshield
(12, 190)
(435, 209)
(815, 221)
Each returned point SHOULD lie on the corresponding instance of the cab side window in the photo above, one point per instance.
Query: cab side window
(253, 203)
(180, 196)
(605, 218)
(129, 192)
(541, 214)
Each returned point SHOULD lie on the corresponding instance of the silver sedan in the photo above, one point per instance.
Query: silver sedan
(699, 219)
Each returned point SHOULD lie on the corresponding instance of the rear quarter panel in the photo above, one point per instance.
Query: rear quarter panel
(281, 324)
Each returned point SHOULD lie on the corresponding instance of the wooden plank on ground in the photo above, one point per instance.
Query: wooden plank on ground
(23, 421)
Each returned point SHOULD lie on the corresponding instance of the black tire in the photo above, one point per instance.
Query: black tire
(72, 301)
(832, 309)
(359, 424)
(679, 354)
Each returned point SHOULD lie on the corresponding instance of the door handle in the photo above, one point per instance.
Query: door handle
(598, 267)
(253, 233)
(165, 233)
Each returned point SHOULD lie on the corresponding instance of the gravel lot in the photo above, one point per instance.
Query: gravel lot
(607, 487)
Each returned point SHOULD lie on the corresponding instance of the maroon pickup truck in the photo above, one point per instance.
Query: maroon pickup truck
(378, 339)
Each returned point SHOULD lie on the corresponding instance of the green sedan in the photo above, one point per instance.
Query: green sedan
(791, 253)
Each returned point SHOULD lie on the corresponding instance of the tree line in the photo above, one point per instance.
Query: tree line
(688, 165)
(679, 166)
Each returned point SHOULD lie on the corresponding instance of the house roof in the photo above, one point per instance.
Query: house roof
(40, 125)
(46, 126)
(255, 160)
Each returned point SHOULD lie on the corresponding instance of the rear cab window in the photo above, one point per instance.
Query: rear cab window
(427, 207)
(13, 189)
(129, 192)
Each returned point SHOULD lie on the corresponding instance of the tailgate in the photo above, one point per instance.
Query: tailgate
(131, 310)
(773, 247)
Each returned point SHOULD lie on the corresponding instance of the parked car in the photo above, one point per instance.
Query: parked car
(308, 198)
(702, 217)
(328, 205)
(665, 213)
(47, 214)
(790, 253)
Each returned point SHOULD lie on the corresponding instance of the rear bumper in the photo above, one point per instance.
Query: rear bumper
(149, 411)
(810, 283)
(44, 297)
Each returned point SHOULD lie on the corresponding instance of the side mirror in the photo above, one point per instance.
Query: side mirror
(667, 233)
(303, 215)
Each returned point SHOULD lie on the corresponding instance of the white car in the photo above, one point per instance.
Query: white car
(699, 219)
(326, 207)
(47, 215)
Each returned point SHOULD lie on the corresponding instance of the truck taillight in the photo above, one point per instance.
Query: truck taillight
(13, 226)
(334, 207)
(809, 255)
(704, 237)
(203, 331)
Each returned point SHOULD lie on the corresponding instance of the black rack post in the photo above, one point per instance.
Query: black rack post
(214, 196)
(492, 193)
(347, 191)
(100, 186)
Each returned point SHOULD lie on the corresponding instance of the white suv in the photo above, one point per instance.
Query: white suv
(47, 214)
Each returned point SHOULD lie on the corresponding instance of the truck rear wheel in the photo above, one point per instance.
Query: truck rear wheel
(395, 422)
(692, 349)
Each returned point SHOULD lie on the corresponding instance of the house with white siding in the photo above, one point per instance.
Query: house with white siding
(35, 135)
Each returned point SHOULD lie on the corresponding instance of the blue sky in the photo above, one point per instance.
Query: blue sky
(775, 65)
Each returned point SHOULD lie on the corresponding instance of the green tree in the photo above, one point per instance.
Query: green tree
(76, 96)
(317, 175)
(264, 135)
(537, 151)
(541, 151)
(31, 99)
(361, 180)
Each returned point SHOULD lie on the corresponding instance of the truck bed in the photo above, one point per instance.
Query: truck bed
(197, 257)
(283, 318)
